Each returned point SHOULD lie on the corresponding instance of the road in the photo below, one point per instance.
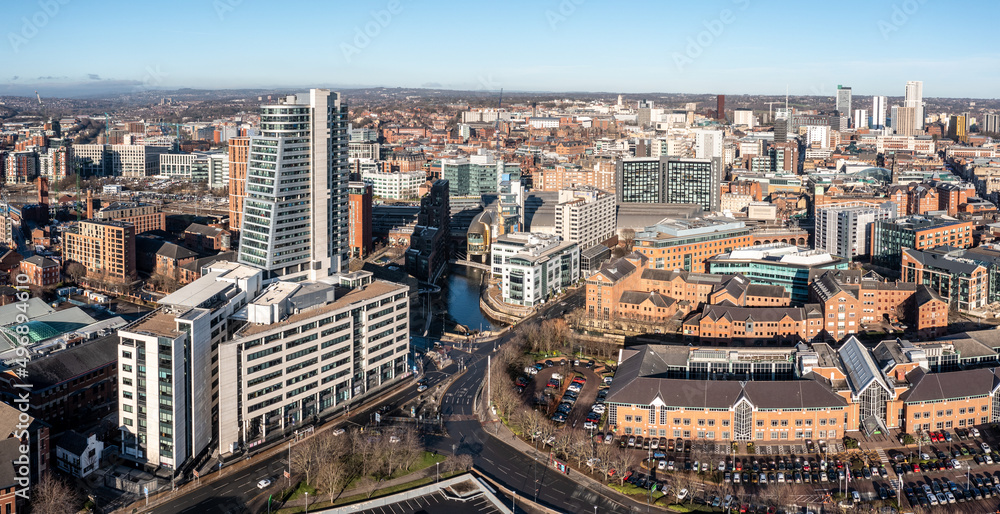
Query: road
(531, 478)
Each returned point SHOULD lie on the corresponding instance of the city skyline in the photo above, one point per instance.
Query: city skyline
(717, 47)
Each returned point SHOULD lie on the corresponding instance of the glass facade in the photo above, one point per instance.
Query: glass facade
(690, 182)
(640, 182)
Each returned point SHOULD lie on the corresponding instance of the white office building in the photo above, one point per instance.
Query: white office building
(708, 144)
(585, 216)
(843, 229)
(743, 117)
(167, 381)
(818, 136)
(394, 186)
(861, 118)
(296, 211)
(307, 348)
(533, 267)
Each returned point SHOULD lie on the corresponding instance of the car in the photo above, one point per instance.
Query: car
(683, 493)
(988, 458)
(654, 444)
(736, 478)
(423, 387)
(339, 431)
(589, 425)
(607, 380)
(574, 387)
(580, 380)
(947, 436)
(631, 441)
(264, 483)
(558, 417)
(538, 367)
(763, 479)
(704, 466)
(974, 432)
(662, 465)
(593, 416)
(608, 439)
(856, 497)
(781, 478)
(985, 447)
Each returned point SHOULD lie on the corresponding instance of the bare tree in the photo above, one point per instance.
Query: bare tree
(628, 239)
(305, 457)
(367, 485)
(53, 496)
(331, 478)
(621, 461)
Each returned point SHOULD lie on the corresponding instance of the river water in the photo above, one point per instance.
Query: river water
(462, 293)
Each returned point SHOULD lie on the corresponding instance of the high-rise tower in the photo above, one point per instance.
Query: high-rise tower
(914, 97)
(295, 216)
(844, 101)
(879, 105)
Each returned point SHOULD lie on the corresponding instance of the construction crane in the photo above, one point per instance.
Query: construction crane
(770, 108)
(39, 97)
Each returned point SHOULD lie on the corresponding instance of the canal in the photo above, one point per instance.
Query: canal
(461, 292)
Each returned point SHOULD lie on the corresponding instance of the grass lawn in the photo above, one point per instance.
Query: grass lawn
(360, 497)
(301, 491)
(426, 460)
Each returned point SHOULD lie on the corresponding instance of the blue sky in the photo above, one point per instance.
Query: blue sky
(712, 46)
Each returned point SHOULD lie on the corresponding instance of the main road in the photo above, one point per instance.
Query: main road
(530, 476)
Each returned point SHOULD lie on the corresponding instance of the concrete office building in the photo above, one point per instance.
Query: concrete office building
(306, 349)
(708, 144)
(295, 215)
(533, 267)
(744, 117)
(902, 121)
(585, 216)
(842, 229)
(168, 381)
(860, 118)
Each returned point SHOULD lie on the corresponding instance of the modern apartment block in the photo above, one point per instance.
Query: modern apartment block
(533, 267)
(143, 216)
(105, 248)
(294, 224)
(168, 381)
(843, 229)
(239, 153)
(476, 175)
(669, 179)
(306, 348)
(585, 216)
(962, 281)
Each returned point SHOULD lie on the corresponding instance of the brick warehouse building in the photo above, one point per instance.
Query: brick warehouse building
(832, 394)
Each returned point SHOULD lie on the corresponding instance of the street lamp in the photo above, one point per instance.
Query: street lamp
(307, 502)
(437, 468)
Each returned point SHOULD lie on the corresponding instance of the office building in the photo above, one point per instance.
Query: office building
(962, 281)
(476, 175)
(777, 264)
(360, 198)
(670, 180)
(403, 185)
(533, 267)
(105, 248)
(143, 217)
(842, 229)
(958, 128)
(879, 106)
(239, 154)
(686, 244)
(306, 349)
(743, 117)
(888, 238)
(295, 216)
(844, 101)
(168, 383)
(914, 98)
(430, 248)
(585, 216)
(720, 107)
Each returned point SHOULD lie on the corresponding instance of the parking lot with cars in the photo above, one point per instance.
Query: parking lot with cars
(565, 390)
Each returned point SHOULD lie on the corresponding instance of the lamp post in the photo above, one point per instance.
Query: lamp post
(307, 502)
(437, 468)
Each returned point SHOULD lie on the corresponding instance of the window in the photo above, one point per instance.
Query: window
(784, 422)
(798, 422)
(760, 423)
(725, 423)
(701, 422)
(127, 421)
(940, 425)
(638, 419)
(774, 422)
(628, 418)
(677, 421)
(126, 407)
(687, 421)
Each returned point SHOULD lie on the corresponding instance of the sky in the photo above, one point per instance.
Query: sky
(78, 47)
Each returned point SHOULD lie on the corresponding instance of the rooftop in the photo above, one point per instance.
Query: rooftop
(158, 323)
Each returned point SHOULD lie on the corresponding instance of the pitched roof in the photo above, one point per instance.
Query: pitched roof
(175, 252)
(925, 295)
(9, 452)
(956, 384)
(73, 442)
(41, 262)
(716, 312)
(638, 297)
(67, 364)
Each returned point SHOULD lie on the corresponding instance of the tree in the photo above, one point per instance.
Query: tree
(76, 271)
(628, 239)
(331, 478)
(53, 496)
(367, 485)
(305, 457)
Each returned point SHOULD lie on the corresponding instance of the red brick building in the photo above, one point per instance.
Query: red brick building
(41, 271)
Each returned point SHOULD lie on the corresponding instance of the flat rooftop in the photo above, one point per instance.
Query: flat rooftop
(198, 292)
(159, 323)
